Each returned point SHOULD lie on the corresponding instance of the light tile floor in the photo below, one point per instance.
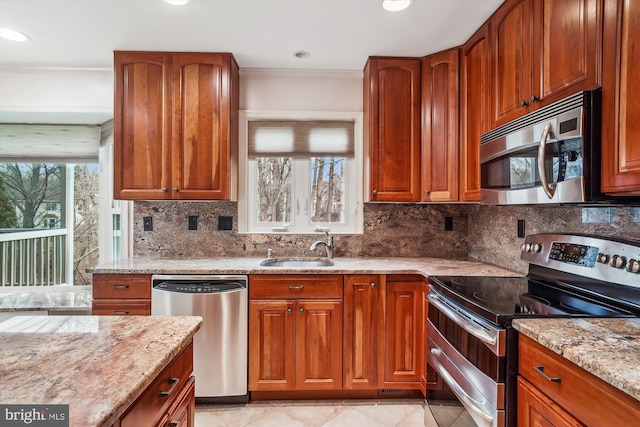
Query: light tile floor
(333, 413)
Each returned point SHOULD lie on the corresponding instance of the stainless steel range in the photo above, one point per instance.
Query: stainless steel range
(471, 342)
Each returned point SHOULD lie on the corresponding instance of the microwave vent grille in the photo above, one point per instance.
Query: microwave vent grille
(567, 104)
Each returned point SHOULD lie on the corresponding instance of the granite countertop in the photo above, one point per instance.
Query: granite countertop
(68, 301)
(424, 266)
(606, 348)
(99, 365)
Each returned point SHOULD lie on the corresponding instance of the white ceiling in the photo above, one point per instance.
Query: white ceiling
(339, 34)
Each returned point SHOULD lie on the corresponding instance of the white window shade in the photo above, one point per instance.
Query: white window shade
(29, 143)
(300, 138)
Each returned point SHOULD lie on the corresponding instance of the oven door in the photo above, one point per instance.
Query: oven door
(465, 351)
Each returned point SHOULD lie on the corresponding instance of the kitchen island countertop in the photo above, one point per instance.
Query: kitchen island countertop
(423, 266)
(607, 348)
(99, 365)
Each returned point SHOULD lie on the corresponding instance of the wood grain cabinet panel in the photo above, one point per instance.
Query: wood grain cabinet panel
(620, 100)
(543, 51)
(535, 409)
(403, 341)
(361, 301)
(440, 124)
(175, 125)
(392, 128)
(475, 107)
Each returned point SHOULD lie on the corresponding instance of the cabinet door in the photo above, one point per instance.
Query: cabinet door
(204, 91)
(620, 101)
(440, 124)
(392, 128)
(535, 409)
(567, 47)
(360, 329)
(510, 60)
(475, 110)
(182, 412)
(318, 345)
(271, 345)
(142, 128)
(404, 340)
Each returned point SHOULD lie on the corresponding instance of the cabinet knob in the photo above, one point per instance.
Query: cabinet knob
(533, 98)
(302, 310)
(175, 189)
(164, 189)
(373, 285)
(427, 192)
(523, 103)
(289, 311)
(375, 192)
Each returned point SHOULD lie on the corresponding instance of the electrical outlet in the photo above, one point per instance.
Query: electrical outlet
(193, 222)
(147, 223)
(521, 228)
(225, 223)
(448, 223)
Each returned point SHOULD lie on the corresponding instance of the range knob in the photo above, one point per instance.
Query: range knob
(633, 266)
(603, 258)
(527, 247)
(536, 247)
(618, 261)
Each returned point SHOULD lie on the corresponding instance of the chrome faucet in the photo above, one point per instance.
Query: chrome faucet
(328, 244)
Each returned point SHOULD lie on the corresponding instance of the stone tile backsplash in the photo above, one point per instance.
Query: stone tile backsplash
(484, 233)
(398, 230)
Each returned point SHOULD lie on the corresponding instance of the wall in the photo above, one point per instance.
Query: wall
(493, 229)
(390, 230)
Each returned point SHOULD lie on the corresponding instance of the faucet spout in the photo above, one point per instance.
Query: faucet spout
(328, 245)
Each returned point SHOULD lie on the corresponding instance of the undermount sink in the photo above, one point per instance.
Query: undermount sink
(297, 262)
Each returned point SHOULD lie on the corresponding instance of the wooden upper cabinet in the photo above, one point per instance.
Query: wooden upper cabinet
(392, 128)
(510, 60)
(142, 125)
(205, 125)
(620, 101)
(543, 51)
(475, 101)
(440, 124)
(175, 125)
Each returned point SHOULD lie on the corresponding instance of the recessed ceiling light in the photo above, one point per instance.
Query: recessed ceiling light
(13, 35)
(177, 2)
(302, 54)
(396, 5)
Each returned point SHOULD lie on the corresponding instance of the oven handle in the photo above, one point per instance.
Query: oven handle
(549, 190)
(473, 405)
(481, 334)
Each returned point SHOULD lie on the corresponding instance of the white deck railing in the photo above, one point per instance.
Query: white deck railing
(33, 258)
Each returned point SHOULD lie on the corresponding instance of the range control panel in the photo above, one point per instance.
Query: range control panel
(611, 260)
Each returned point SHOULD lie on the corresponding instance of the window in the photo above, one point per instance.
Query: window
(300, 173)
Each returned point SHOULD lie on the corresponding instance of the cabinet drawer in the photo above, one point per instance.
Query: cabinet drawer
(296, 286)
(586, 397)
(151, 405)
(121, 286)
(129, 307)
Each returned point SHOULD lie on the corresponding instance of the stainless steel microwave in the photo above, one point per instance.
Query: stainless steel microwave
(549, 156)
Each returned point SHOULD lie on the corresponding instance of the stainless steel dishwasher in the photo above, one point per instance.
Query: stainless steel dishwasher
(220, 346)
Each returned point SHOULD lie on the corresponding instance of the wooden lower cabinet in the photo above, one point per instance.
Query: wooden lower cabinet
(403, 334)
(295, 332)
(169, 400)
(552, 391)
(121, 294)
(536, 409)
(361, 300)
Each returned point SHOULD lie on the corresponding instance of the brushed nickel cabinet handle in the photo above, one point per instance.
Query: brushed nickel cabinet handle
(120, 286)
(540, 369)
(174, 383)
(300, 287)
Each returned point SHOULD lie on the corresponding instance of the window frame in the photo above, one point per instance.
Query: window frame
(301, 223)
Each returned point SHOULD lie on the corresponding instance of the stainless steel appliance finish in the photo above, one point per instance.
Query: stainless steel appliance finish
(549, 156)
(471, 342)
(220, 346)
